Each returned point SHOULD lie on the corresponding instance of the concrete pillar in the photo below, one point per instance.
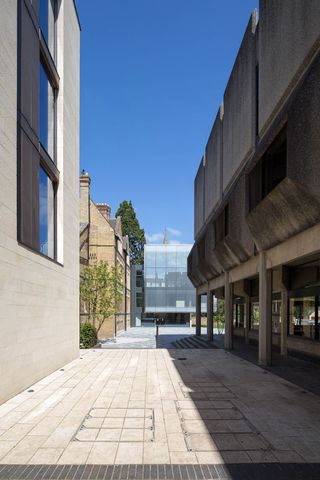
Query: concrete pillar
(228, 312)
(265, 305)
(247, 324)
(209, 315)
(84, 197)
(284, 322)
(198, 315)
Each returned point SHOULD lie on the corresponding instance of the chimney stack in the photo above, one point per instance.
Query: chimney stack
(105, 210)
(84, 197)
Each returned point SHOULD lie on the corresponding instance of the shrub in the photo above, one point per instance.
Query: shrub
(88, 335)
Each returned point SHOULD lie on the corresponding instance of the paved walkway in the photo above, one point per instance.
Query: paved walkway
(145, 337)
(206, 413)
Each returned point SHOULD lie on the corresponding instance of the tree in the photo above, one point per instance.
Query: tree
(131, 227)
(101, 292)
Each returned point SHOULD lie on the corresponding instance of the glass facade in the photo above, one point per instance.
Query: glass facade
(255, 316)
(304, 317)
(167, 286)
(276, 316)
(239, 314)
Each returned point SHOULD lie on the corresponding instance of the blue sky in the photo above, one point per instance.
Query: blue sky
(153, 73)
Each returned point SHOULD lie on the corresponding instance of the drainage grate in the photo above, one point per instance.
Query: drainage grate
(117, 425)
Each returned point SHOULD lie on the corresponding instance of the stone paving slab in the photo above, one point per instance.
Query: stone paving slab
(167, 409)
(145, 337)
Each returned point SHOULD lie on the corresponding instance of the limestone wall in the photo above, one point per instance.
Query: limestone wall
(39, 306)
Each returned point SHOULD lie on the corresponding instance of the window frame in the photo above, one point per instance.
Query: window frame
(42, 158)
(46, 162)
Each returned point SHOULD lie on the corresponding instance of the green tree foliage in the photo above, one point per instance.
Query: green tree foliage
(131, 227)
(101, 292)
(218, 315)
(88, 335)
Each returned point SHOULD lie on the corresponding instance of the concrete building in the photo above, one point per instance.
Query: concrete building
(39, 158)
(168, 293)
(101, 239)
(257, 190)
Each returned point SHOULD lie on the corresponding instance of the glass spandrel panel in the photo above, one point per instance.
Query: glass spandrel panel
(46, 214)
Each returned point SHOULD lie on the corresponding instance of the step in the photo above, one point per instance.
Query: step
(198, 343)
(204, 342)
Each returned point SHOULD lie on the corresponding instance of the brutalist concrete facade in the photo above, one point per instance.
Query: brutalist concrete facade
(257, 190)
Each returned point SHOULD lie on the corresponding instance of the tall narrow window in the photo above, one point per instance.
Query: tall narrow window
(46, 214)
(221, 225)
(47, 23)
(38, 84)
(47, 113)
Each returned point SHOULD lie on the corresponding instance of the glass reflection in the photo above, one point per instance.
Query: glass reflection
(303, 317)
(46, 113)
(47, 23)
(46, 214)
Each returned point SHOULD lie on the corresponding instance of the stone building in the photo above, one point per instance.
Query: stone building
(39, 158)
(101, 239)
(257, 190)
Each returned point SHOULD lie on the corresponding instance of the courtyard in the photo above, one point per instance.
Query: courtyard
(160, 413)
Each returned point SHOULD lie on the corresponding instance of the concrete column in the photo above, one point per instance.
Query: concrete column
(198, 315)
(265, 304)
(247, 324)
(284, 321)
(228, 313)
(209, 316)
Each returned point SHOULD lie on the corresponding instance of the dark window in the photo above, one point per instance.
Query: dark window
(47, 23)
(238, 315)
(269, 171)
(221, 225)
(202, 248)
(139, 279)
(139, 300)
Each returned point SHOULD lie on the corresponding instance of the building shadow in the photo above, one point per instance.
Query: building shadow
(299, 369)
(223, 438)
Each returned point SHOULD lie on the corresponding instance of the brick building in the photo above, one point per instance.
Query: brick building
(101, 239)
